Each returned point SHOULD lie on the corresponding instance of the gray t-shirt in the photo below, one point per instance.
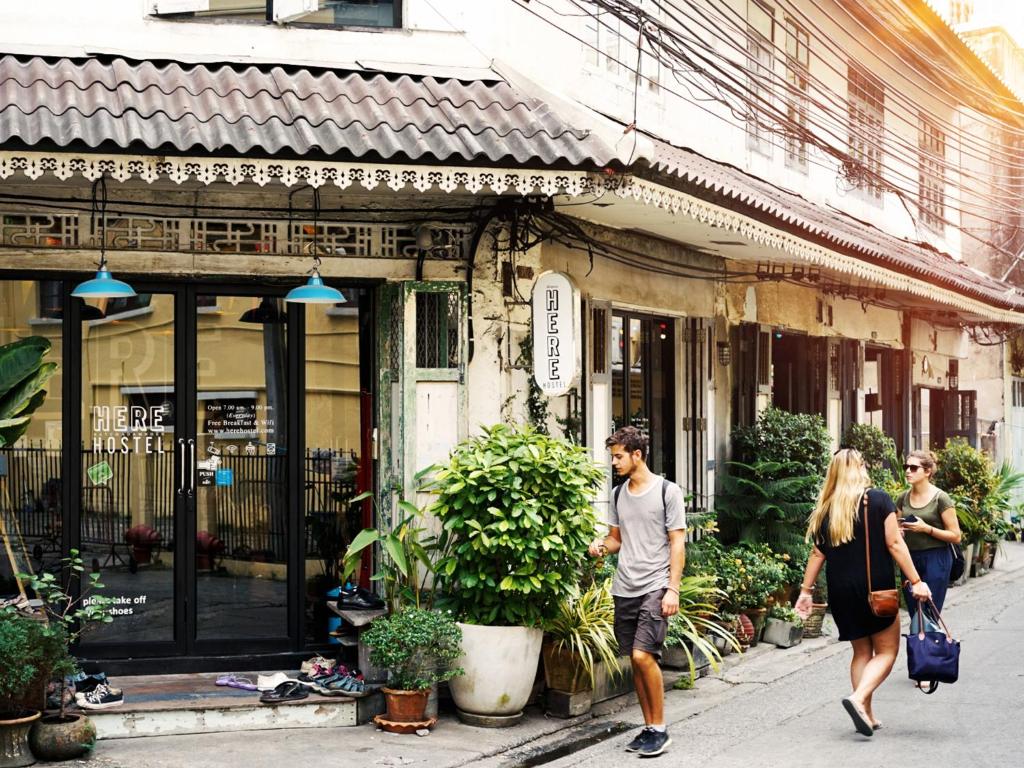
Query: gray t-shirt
(644, 524)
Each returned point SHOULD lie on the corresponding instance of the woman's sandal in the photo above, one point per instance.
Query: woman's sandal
(289, 691)
(860, 720)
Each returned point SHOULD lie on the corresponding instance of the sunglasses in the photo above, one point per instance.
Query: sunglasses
(912, 467)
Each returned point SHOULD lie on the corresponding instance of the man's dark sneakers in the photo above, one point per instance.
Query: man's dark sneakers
(639, 741)
(655, 743)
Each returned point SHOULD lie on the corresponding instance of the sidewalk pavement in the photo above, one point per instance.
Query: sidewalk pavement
(535, 741)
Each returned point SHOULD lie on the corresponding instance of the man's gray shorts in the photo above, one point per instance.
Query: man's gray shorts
(639, 624)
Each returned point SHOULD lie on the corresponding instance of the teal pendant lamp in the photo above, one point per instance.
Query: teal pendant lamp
(314, 291)
(103, 286)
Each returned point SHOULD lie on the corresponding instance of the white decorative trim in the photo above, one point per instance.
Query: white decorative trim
(208, 170)
(668, 199)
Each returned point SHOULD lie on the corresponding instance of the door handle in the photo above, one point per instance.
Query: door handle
(181, 468)
(192, 467)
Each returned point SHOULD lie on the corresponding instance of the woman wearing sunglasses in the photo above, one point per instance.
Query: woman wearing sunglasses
(929, 524)
(837, 530)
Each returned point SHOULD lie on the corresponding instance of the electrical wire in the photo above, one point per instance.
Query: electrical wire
(902, 194)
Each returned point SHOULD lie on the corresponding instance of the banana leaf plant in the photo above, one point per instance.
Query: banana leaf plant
(23, 377)
(405, 567)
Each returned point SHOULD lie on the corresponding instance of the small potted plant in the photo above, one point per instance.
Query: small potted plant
(580, 636)
(63, 735)
(690, 640)
(418, 648)
(19, 668)
(783, 628)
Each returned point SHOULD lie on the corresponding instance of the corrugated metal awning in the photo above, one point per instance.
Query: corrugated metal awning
(95, 103)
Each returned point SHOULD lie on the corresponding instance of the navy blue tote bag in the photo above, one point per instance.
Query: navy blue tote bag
(932, 657)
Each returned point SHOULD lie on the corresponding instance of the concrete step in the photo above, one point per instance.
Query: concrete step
(165, 705)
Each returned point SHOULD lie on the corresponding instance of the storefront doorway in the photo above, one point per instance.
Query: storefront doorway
(643, 383)
(222, 436)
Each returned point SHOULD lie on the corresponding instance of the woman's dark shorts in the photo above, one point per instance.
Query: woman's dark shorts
(639, 624)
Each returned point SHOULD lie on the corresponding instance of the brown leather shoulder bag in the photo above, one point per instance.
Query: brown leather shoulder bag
(883, 602)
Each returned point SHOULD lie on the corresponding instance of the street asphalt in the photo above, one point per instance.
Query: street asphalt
(769, 708)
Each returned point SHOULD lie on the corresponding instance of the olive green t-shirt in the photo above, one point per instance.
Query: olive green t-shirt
(930, 513)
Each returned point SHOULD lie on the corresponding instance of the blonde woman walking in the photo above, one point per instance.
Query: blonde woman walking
(836, 528)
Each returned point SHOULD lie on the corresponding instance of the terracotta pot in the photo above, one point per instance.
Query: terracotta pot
(744, 630)
(14, 749)
(52, 738)
(406, 706)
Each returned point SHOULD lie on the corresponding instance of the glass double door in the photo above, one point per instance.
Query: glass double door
(188, 403)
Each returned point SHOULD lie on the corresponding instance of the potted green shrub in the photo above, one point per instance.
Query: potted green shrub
(418, 648)
(19, 668)
(63, 735)
(516, 514)
(783, 628)
(690, 640)
(580, 636)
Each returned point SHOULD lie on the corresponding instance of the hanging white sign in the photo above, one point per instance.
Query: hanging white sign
(556, 333)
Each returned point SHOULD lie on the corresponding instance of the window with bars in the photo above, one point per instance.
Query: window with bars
(798, 63)
(599, 340)
(931, 174)
(866, 124)
(602, 35)
(760, 58)
(437, 329)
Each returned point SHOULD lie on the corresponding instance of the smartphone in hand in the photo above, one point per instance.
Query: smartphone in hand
(908, 519)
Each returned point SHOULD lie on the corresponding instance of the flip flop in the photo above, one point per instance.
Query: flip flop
(860, 721)
(231, 681)
(270, 682)
(287, 691)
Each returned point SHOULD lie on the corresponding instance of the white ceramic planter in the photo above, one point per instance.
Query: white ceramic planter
(500, 664)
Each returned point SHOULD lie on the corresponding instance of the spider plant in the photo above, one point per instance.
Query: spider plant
(584, 628)
(697, 619)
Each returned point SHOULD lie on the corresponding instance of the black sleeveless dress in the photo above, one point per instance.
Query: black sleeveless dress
(846, 572)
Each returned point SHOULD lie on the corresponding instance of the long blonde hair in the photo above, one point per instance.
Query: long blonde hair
(840, 497)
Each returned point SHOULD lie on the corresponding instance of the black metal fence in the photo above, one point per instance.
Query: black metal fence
(250, 515)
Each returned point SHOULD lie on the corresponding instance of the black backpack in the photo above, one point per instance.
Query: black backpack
(664, 492)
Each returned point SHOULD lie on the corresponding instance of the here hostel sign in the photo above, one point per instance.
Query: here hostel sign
(556, 333)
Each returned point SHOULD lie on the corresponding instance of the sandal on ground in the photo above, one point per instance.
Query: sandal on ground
(270, 682)
(860, 721)
(291, 690)
(233, 681)
(317, 661)
(350, 686)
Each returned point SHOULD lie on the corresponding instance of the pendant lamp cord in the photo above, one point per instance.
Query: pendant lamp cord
(316, 231)
(99, 207)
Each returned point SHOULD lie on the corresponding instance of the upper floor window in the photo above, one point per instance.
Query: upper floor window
(603, 33)
(610, 41)
(931, 197)
(798, 63)
(760, 56)
(333, 13)
(866, 126)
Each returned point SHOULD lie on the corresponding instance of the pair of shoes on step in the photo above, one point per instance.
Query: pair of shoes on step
(102, 696)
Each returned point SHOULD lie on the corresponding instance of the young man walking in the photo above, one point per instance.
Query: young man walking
(647, 528)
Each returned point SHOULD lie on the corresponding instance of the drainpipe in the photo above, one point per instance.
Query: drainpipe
(907, 396)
